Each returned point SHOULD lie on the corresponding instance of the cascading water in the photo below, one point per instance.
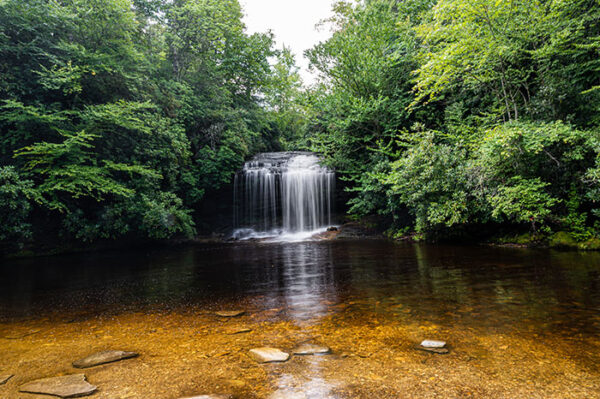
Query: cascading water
(283, 194)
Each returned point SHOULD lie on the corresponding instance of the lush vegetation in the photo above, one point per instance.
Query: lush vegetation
(117, 116)
(450, 115)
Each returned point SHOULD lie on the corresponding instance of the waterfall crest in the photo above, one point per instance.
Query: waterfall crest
(283, 194)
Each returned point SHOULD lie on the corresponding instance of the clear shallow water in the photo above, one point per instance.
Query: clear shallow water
(521, 323)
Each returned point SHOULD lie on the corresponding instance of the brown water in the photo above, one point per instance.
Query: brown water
(519, 323)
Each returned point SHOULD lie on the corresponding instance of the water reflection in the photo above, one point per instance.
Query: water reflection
(306, 281)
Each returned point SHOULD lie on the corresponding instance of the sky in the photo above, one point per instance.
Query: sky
(292, 22)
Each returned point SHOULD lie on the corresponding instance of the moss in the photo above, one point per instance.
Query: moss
(562, 239)
(593, 244)
(565, 240)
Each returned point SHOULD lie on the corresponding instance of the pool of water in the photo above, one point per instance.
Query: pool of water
(519, 323)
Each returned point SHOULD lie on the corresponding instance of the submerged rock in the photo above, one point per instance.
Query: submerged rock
(230, 313)
(311, 349)
(66, 386)
(102, 358)
(268, 355)
(4, 378)
(209, 397)
(239, 331)
(440, 351)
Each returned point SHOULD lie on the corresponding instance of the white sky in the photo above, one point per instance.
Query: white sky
(292, 22)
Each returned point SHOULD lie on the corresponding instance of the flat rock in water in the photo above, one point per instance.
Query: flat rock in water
(4, 378)
(66, 386)
(311, 349)
(239, 331)
(428, 343)
(440, 351)
(268, 355)
(103, 357)
(230, 313)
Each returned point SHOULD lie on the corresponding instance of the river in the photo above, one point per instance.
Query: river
(519, 323)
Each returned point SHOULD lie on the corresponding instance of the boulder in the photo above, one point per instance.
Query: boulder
(66, 386)
(268, 355)
(311, 349)
(102, 358)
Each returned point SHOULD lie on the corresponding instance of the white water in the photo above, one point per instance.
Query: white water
(283, 195)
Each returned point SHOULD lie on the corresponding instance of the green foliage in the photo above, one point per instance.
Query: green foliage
(16, 195)
(120, 115)
(523, 200)
(464, 112)
(431, 180)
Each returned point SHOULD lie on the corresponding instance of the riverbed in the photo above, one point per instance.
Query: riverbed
(519, 323)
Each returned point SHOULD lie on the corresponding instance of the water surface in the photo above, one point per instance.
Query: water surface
(520, 323)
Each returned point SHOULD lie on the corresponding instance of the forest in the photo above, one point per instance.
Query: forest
(446, 119)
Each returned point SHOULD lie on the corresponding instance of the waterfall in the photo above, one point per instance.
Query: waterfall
(283, 194)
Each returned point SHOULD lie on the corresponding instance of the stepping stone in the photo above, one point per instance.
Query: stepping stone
(268, 355)
(230, 313)
(4, 378)
(311, 349)
(66, 386)
(102, 358)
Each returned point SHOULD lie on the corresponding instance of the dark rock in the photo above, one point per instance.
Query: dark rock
(66, 386)
(332, 228)
(239, 331)
(268, 355)
(440, 351)
(4, 378)
(102, 358)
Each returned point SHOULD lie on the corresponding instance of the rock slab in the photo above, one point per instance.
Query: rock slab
(429, 343)
(66, 386)
(268, 355)
(230, 313)
(4, 378)
(239, 331)
(311, 349)
(102, 358)
(440, 351)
